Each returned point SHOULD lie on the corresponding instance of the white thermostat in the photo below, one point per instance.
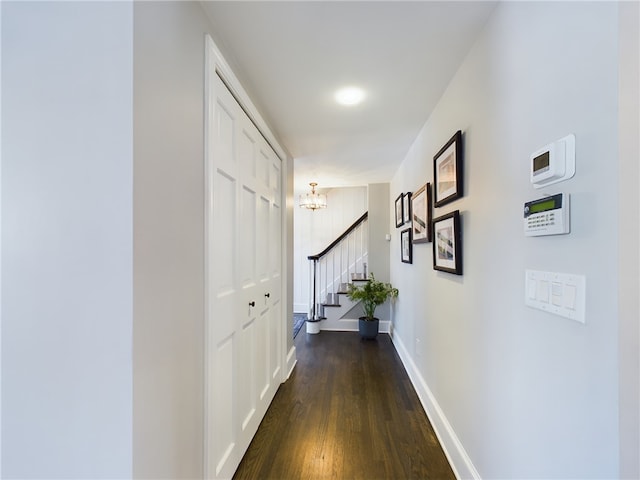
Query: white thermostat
(554, 162)
(547, 216)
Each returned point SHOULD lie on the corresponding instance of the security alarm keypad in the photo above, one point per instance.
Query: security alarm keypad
(547, 216)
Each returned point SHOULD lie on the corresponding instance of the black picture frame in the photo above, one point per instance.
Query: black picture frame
(406, 246)
(448, 171)
(406, 208)
(399, 211)
(447, 244)
(421, 212)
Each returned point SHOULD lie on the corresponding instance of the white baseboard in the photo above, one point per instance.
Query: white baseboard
(301, 308)
(351, 325)
(458, 458)
(291, 363)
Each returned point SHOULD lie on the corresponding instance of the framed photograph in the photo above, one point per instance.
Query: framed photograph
(447, 247)
(406, 253)
(406, 208)
(399, 211)
(421, 214)
(447, 171)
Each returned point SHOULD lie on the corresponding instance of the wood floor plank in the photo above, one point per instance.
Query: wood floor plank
(348, 411)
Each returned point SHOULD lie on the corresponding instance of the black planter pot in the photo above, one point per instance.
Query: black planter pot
(368, 328)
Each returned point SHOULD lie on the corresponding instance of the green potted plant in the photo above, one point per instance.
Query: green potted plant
(371, 293)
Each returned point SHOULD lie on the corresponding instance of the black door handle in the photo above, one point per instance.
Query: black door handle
(268, 295)
(252, 304)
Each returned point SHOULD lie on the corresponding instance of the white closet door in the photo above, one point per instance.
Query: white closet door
(244, 321)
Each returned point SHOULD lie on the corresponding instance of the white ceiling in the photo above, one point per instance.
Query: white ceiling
(291, 56)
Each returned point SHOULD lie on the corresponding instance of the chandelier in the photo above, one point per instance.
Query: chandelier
(313, 200)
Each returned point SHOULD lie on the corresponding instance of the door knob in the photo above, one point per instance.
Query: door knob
(252, 304)
(268, 295)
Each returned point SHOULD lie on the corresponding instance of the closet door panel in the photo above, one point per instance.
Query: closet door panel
(223, 398)
(247, 240)
(247, 394)
(262, 244)
(223, 295)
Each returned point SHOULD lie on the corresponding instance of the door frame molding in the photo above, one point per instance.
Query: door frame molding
(215, 64)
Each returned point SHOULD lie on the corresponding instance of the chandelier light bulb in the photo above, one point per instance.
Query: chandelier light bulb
(313, 201)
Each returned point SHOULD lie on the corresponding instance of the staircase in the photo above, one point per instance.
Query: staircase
(340, 313)
(344, 261)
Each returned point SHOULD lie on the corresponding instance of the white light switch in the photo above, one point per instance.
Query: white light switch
(532, 287)
(543, 291)
(558, 293)
(570, 296)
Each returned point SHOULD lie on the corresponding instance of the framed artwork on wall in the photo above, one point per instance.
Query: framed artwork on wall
(406, 253)
(447, 247)
(448, 171)
(399, 211)
(421, 214)
(406, 208)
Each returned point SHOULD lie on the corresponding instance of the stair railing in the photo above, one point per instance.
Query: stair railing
(345, 259)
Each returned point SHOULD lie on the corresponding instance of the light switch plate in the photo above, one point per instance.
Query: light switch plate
(561, 294)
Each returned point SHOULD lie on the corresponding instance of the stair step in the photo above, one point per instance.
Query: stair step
(331, 299)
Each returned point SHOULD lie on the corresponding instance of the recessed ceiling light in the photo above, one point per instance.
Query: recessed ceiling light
(349, 96)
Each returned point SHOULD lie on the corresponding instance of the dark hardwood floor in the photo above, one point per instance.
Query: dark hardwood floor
(348, 411)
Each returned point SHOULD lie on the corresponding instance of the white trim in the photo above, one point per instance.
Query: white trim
(458, 458)
(288, 359)
(208, 470)
(301, 308)
(291, 362)
(0, 243)
(352, 325)
(234, 85)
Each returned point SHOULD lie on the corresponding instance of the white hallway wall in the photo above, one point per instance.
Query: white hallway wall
(67, 156)
(169, 40)
(629, 239)
(168, 353)
(528, 394)
(102, 239)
